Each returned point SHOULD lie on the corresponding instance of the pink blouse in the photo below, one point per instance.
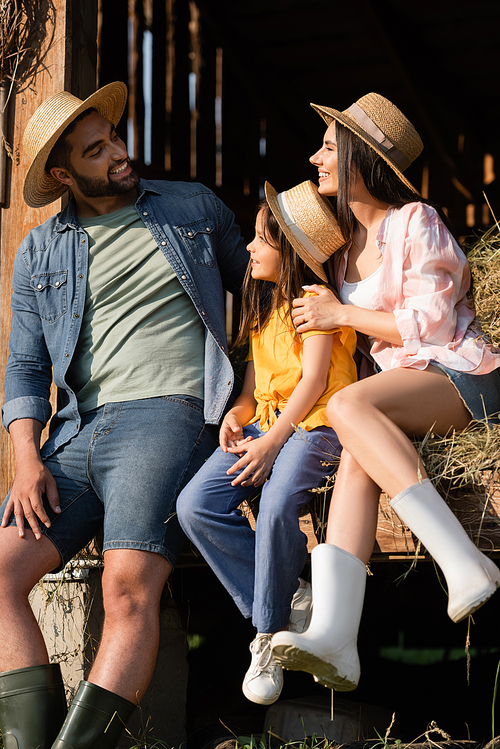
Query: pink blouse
(424, 281)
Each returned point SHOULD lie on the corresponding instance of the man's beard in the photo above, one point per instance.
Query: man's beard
(97, 187)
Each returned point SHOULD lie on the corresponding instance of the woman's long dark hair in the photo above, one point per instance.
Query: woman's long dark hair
(382, 182)
(261, 298)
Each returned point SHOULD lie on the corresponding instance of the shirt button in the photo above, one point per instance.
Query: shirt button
(76, 314)
(203, 313)
(39, 286)
(208, 228)
(57, 283)
(190, 233)
(83, 241)
(66, 356)
(183, 278)
(144, 213)
(163, 244)
(80, 275)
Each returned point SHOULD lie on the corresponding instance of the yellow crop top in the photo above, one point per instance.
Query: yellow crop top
(277, 357)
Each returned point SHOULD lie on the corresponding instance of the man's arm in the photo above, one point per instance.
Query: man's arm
(28, 374)
(27, 408)
(32, 480)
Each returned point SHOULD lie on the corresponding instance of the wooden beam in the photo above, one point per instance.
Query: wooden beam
(67, 32)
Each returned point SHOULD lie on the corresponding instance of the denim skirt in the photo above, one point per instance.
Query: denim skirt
(480, 393)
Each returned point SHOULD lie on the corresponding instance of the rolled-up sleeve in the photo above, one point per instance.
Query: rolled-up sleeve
(28, 374)
(26, 407)
(435, 277)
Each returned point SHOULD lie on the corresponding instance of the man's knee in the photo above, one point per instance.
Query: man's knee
(132, 581)
(24, 561)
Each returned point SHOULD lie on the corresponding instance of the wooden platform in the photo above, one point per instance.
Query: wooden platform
(478, 512)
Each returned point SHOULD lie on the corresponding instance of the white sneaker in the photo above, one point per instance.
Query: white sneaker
(263, 681)
(300, 615)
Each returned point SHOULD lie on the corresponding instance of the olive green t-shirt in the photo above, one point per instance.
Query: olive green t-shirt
(141, 335)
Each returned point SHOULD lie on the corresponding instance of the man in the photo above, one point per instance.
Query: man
(120, 298)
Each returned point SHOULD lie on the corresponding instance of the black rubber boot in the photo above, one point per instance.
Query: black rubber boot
(95, 720)
(32, 706)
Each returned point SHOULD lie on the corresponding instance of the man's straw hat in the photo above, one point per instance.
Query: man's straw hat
(46, 125)
(384, 127)
(308, 222)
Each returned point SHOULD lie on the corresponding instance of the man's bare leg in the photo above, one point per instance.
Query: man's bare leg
(132, 586)
(23, 562)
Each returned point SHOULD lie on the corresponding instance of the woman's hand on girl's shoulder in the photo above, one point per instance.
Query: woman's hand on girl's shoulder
(318, 312)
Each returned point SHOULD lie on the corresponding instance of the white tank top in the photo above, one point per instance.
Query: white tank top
(361, 293)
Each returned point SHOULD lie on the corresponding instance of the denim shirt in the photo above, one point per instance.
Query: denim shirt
(196, 233)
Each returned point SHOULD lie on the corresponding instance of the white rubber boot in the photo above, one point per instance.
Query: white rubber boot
(471, 577)
(328, 649)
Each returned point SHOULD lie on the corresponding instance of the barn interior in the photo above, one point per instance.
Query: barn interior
(219, 92)
(229, 106)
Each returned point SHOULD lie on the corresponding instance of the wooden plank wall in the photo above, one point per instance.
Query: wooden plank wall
(191, 78)
(195, 38)
(67, 24)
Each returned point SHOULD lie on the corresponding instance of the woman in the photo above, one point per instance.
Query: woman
(403, 281)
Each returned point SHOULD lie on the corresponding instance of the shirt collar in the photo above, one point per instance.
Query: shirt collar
(144, 186)
(67, 218)
(383, 229)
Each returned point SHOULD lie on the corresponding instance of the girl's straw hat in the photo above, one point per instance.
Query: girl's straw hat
(384, 127)
(308, 222)
(46, 125)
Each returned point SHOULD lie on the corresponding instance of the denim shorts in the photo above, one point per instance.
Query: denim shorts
(123, 471)
(480, 393)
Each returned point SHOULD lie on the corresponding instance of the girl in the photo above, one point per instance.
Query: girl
(404, 283)
(289, 381)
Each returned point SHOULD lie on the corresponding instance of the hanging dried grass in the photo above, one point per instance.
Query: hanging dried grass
(26, 32)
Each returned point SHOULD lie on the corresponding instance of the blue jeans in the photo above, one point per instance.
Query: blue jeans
(259, 569)
(124, 469)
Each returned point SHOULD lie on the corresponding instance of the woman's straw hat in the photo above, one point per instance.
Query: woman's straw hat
(308, 222)
(46, 125)
(384, 127)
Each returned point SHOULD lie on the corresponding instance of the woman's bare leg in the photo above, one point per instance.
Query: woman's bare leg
(372, 419)
(352, 520)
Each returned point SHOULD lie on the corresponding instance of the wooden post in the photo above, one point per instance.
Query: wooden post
(68, 35)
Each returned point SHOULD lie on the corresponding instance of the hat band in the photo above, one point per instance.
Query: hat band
(376, 133)
(297, 231)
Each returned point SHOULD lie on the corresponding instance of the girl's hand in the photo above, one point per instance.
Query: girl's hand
(231, 433)
(256, 462)
(321, 312)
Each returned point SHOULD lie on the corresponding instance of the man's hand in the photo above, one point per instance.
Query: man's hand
(33, 480)
(256, 462)
(31, 483)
